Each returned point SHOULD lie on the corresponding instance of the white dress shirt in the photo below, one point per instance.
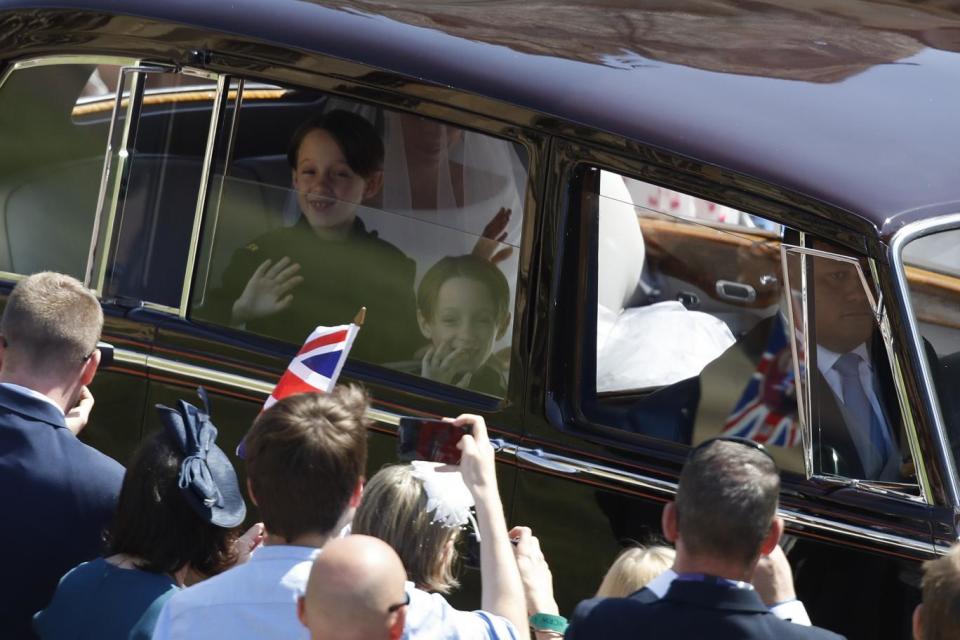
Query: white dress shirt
(255, 600)
(431, 617)
(866, 448)
(791, 610)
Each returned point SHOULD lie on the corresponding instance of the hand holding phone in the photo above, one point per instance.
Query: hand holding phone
(428, 439)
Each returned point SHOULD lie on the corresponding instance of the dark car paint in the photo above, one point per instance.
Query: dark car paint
(787, 167)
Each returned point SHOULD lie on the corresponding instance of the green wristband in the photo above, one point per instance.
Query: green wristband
(548, 622)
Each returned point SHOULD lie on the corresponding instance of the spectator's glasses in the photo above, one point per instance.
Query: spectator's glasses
(747, 442)
(394, 607)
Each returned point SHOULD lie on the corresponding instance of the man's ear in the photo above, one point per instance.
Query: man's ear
(399, 621)
(668, 522)
(302, 611)
(502, 329)
(773, 536)
(372, 187)
(917, 622)
(424, 325)
(253, 498)
(89, 369)
(357, 494)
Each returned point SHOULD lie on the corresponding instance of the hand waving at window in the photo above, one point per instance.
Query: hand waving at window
(493, 234)
(268, 291)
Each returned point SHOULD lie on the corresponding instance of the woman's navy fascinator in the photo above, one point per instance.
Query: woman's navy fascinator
(207, 480)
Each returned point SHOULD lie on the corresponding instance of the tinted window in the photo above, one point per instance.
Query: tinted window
(53, 136)
(415, 219)
(159, 182)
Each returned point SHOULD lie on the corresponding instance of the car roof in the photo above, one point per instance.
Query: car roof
(851, 102)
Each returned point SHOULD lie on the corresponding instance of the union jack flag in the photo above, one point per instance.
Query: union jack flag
(315, 368)
(767, 410)
(317, 365)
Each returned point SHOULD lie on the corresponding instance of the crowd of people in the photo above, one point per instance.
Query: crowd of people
(161, 550)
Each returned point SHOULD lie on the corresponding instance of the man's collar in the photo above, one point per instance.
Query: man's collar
(661, 583)
(827, 358)
(16, 388)
(715, 595)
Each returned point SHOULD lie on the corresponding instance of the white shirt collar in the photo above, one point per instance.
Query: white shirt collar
(31, 393)
(827, 358)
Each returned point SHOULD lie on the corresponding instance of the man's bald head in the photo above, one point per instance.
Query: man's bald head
(354, 583)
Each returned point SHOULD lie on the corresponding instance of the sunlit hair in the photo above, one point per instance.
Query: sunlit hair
(470, 267)
(394, 509)
(940, 615)
(359, 141)
(51, 323)
(304, 458)
(726, 501)
(633, 569)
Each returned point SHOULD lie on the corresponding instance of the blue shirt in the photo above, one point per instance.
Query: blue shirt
(100, 600)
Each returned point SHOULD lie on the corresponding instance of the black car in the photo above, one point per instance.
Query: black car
(613, 229)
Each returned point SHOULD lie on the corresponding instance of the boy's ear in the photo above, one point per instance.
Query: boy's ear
(374, 182)
(504, 325)
(424, 326)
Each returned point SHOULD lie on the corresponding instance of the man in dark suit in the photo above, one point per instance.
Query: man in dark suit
(722, 522)
(57, 494)
(854, 413)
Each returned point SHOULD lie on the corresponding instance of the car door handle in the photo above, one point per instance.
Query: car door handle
(537, 458)
(736, 291)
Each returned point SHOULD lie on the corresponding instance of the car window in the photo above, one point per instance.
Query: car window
(157, 187)
(933, 276)
(414, 219)
(693, 338)
(51, 161)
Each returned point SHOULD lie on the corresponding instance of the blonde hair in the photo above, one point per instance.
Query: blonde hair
(940, 614)
(633, 569)
(394, 509)
(51, 323)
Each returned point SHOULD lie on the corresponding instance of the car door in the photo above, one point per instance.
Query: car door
(637, 372)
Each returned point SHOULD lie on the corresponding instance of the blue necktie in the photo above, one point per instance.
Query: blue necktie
(857, 404)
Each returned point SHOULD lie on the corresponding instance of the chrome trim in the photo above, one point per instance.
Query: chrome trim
(216, 115)
(213, 211)
(669, 489)
(896, 370)
(803, 401)
(154, 306)
(243, 383)
(901, 292)
(47, 61)
(942, 550)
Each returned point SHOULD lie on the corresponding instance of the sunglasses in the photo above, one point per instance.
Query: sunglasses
(747, 442)
(394, 607)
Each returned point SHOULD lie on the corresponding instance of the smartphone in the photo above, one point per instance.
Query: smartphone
(426, 439)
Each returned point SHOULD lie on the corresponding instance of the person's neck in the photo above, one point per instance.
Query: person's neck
(336, 234)
(61, 393)
(720, 568)
(316, 540)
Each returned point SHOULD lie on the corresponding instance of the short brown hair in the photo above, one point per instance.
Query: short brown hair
(727, 500)
(940, 615)
(304, 457)
(51, 322)
(468, 266)
(394, 509)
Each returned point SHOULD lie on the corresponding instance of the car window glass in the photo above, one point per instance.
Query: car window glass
(160, 184)
(415, 219)
(51, 161)
(933, 276)
(691, 336)
(847, 392)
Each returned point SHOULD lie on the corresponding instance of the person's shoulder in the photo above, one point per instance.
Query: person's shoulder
(603, 617)
(430, 616)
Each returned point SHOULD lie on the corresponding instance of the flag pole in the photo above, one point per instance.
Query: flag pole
(360, 317)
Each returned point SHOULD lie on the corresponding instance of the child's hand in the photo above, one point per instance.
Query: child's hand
(445, 363)
(267, 292)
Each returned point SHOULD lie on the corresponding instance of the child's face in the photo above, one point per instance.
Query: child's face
(328, 190)
(464, 321)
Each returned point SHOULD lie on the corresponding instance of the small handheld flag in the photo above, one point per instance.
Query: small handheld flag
(317, 365)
